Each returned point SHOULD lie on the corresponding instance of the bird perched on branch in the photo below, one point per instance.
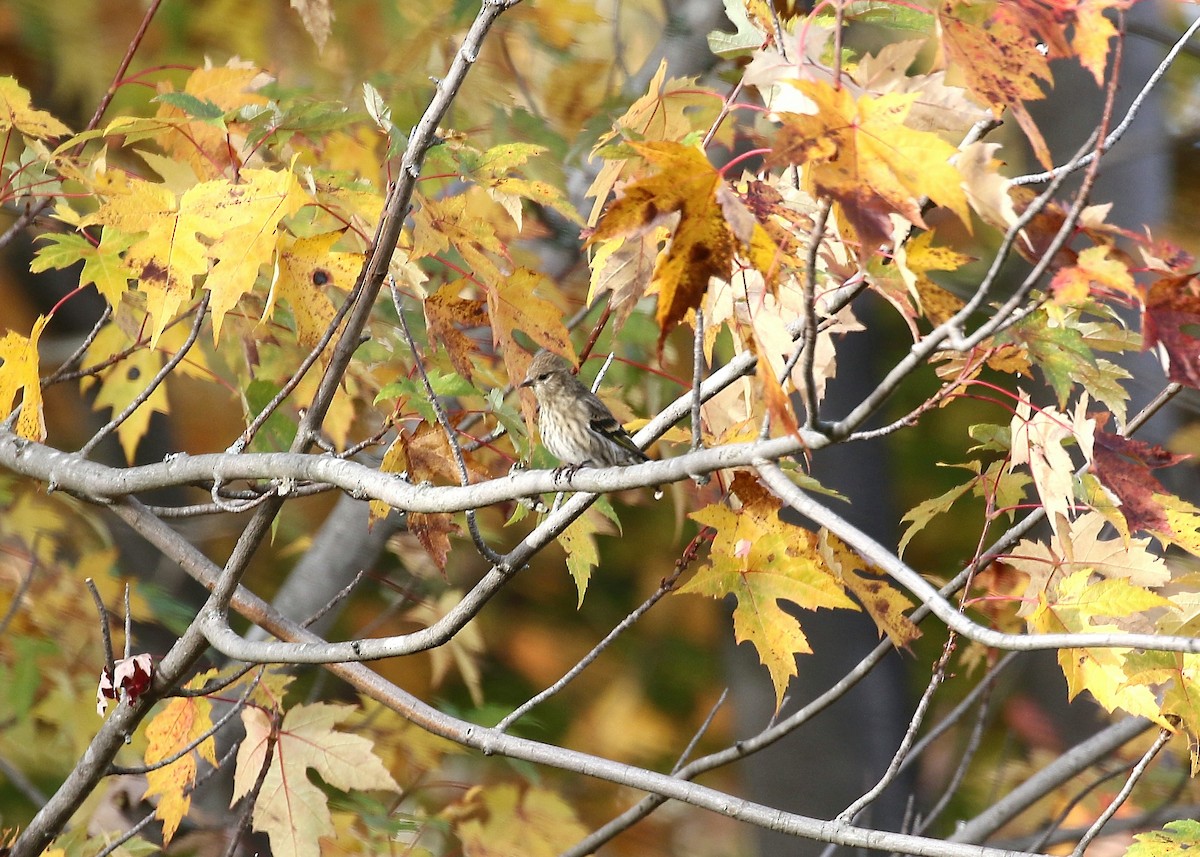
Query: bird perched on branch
(577, 428)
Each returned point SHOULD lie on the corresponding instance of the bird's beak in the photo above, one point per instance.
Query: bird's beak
(528, 382)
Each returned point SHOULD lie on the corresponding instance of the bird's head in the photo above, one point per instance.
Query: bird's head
(546, 368)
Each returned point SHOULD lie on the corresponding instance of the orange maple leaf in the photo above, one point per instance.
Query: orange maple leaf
(183, 721)
(705, 240)
(859, 152)
(1000, 60)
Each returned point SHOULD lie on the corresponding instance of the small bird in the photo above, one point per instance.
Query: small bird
(577, 428)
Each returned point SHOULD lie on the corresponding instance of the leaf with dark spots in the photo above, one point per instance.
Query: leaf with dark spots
(153, 272)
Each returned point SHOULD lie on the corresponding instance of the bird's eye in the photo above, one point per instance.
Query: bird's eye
(543, 376)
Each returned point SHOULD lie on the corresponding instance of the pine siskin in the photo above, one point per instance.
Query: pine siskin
(577, 428)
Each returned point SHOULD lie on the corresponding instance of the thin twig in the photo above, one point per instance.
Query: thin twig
(78, 354)
(251, 797)
(23, 588)
(439, 412)
(586, 661)
(974, 740)
(159, 377)
(1164, 735)
(700, 732)
(910, 736)
(110, 664)
(22, 783)
(809, 339)
(698, 366)
(128, 626)
(1045, 836)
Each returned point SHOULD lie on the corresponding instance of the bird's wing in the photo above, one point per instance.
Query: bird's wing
(603, 422)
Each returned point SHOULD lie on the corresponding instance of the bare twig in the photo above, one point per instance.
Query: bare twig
(110, 664)
(23, 588)
(1164, 735)
(809, 339)
(152, 385)
(464, 476)
(1079, 758)
(251, 797)
(584, 662)
(77, 355)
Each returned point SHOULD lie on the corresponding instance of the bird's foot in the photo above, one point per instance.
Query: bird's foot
(565, 471)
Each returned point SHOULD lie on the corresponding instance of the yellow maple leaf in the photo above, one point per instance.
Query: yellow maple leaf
(513, 305)
(1093, 32)
(181, 722)
(307, 270)
(882, 601)
(168, 255)
(243, 219)
(444, 223)
(240, 224)
(19, 374)
(579, 542)
(16, 112)
(124, 381)
(762, 560)
(860, 153)
(1082, 605)
(463, 652)
(503, 819)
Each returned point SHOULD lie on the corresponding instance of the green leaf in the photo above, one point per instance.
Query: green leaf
(279, 430)
(509, 417)
(60, 251)
(891, 15)
(990, 437)
(1176, 838)
(1058, 349)
(925, 511)
(196, 108)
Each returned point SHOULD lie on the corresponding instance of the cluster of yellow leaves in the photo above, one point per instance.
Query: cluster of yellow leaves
(222, 230)
(860, 153)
